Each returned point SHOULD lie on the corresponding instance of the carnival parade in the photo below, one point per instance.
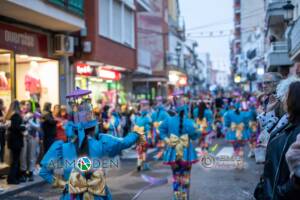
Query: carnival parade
(149, 100)
(180, 130)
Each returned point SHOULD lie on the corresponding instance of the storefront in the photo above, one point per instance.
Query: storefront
(104, 83)
(26, 70)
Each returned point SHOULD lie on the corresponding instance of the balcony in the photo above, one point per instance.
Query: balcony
(278, 55)
(275, 12)
(74, 6)
(295, 41)
(55, 15)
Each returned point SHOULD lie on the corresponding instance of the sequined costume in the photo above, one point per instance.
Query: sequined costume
(143, 123)
(78, 165)
(177, 132)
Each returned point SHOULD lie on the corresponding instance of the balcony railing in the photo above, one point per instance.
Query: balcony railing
(278, 54)
(279, 47)
(270, 4)
(74, 6)
(295, 40)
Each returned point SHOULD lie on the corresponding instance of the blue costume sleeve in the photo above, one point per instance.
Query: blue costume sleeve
(148, 124)
(209, 116)
(165, 115)
(164, 129)
(112, 146)
(227, 120)
(51, 159)
(192, 130)
(153, 116)
(195, 113)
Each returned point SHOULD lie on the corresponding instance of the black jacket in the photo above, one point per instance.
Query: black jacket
(48, 125)
(15, 132)
(277, 183)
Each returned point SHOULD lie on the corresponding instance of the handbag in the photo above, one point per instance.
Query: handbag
(260, 154)
(259, 190)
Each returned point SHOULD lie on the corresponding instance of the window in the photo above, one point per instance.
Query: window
(104, 17)
(117, 21)
(129, 26)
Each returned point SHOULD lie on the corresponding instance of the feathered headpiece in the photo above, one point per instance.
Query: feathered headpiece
(283, 87)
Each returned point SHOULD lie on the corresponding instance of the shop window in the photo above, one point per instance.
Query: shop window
(37, 79)
(5, 77)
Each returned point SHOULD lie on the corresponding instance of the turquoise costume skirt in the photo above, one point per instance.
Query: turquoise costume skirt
(189, 156)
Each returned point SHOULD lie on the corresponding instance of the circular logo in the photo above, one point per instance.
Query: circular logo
(84, 164)
(207, 161)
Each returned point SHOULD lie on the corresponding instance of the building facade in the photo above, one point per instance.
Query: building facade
(252, 42)
(31, 65)
(108, 50)
(149, 80)
(277, 44)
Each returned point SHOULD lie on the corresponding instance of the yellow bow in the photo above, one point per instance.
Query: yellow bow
(253, 126)
(156, 124)
(181, 195)
(59, 182)
(238, 128)
(178, 143)
(106, 125)
(140, 130)
(203, 124)
(88, 187)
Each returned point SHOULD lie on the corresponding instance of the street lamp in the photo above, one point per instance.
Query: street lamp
(289, 12)
(178, 51)
(260, 71)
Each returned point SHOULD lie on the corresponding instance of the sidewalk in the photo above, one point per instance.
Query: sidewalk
(6, 190)
(9, 190)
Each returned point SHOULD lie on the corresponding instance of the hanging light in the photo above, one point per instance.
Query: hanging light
(178, 47)
(260, 71)
(289, 11)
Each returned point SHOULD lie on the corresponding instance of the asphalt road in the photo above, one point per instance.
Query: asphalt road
(218, 181)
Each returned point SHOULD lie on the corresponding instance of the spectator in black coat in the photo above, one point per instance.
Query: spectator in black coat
(276, 182)
(15, 140)
(48, 126)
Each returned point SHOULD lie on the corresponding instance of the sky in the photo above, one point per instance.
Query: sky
(203, 17)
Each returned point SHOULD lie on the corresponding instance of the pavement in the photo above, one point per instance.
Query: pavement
(217, 177)
(10, 190)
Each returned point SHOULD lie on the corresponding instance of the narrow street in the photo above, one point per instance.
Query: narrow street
(149, 99)
(207, 183)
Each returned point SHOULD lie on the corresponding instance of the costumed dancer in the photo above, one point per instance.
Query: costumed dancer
(236, 133)
(113, 125)
(252, 125)
(204, 120)
(70, 165)
(158, 116)
(144, 123)
(219, 118)
(177, 132)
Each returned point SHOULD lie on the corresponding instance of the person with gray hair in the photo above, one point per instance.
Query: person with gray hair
(276, 182)
(271, 109)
